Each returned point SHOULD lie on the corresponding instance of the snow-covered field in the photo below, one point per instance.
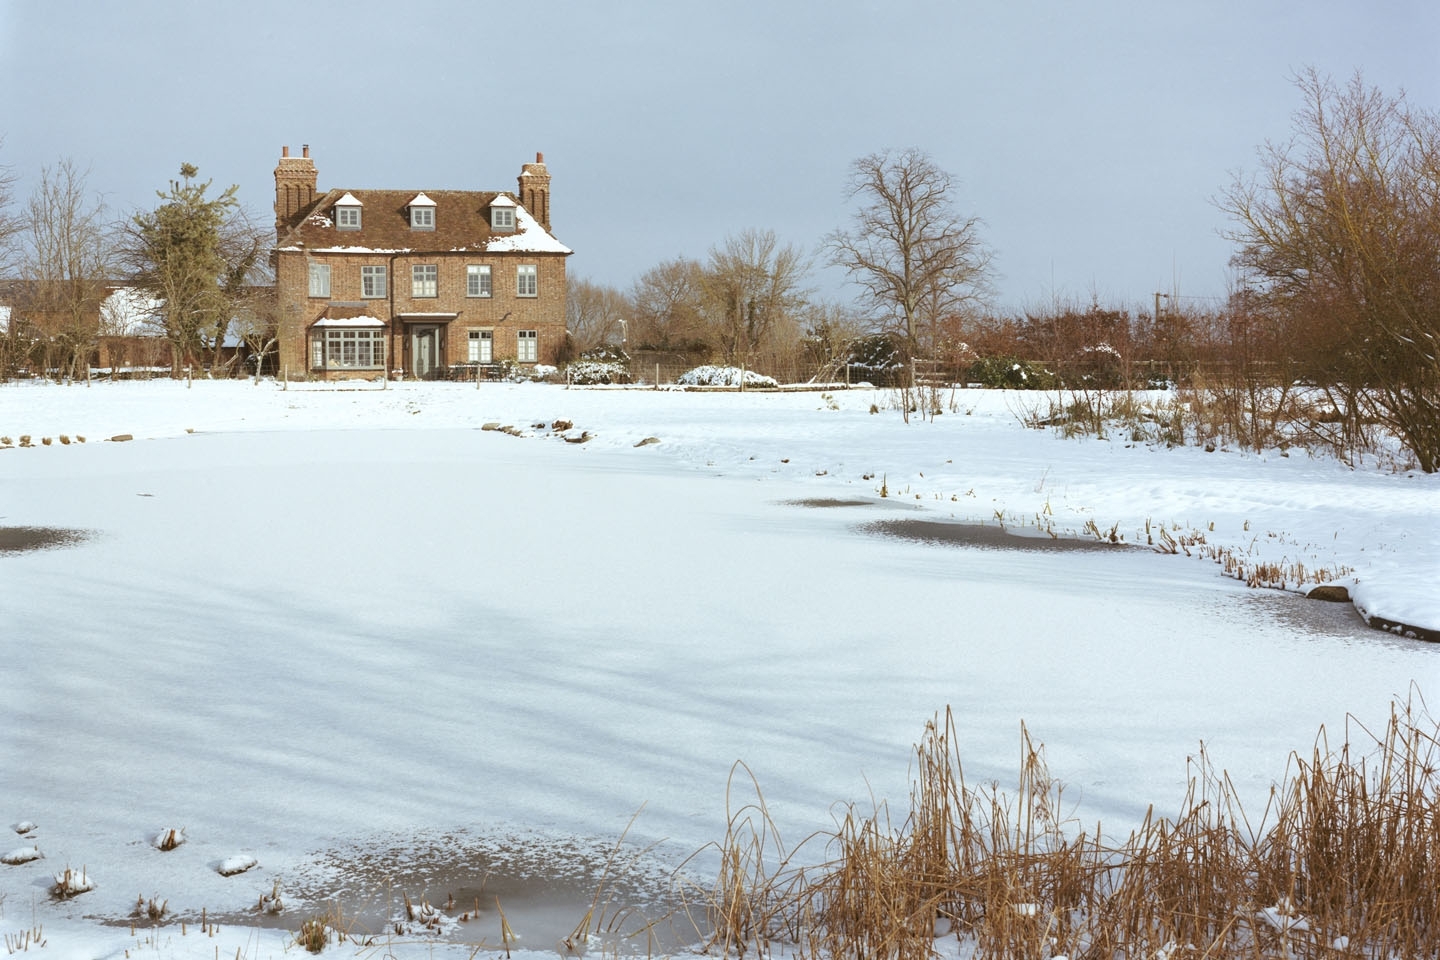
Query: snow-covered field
(351, 636)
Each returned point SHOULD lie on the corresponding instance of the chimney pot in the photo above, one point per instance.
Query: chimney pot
(284, 151)
(306, 150)
(539, 157)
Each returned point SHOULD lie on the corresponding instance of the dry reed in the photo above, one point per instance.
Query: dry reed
(1343, 863)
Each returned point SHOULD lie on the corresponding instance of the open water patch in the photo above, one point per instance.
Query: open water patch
(26, 539)
(828, 503)
(983, 536)
(525, 891)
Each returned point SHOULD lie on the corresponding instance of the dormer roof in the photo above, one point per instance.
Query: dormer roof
(462, 222)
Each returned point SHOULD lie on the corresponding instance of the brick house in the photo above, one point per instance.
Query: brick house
(418, 283)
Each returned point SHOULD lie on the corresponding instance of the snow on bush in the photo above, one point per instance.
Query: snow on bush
(26, 826)
(21, 855)
(70, 882)
(711, 376)
(236, 864)
(168, 839)
(589, 372)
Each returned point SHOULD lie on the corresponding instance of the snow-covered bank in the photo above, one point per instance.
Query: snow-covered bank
(319, 620)
(975, 464)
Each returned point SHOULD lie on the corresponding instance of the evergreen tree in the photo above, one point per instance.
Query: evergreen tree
(194, 253)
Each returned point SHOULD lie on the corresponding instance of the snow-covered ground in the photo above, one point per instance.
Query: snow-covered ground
(351, 635)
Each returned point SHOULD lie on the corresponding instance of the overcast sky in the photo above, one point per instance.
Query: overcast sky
(1091, 138)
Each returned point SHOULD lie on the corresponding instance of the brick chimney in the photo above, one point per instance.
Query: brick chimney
(295, 180)
(535, 190)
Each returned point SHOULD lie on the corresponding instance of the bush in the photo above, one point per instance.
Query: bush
(1008, 373)
(712, 376)
(601, 365)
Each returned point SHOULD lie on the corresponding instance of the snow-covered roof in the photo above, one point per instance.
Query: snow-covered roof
(462, 224)
(529, 237)
(349, 322)
(128, 312)
(349, 200)
(354, 249)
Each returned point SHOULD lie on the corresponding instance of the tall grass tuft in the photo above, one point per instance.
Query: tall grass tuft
(1344, 862)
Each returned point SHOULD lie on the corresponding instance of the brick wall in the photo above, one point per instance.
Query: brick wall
(503, 312)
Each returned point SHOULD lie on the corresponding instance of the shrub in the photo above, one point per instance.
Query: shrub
(1009, 373)
(711, 376)
(602, 365)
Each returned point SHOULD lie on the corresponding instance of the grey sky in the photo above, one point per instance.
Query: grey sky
(1090, 137)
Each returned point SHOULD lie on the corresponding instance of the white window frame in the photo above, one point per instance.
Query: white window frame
(481, 346)
(527, 280)
(348, 348)
(527, 346)
(424, 280)
(502, 218)
(422, 217)
(347, 216)
(373, 282)
(319, 280)
(477, 280)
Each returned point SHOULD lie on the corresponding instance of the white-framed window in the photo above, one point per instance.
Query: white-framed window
(337, 348)
(319, 279)
(424, 280)
(372, 282)
(527, 282)
(347, 218)
(527, 346)
(477, 280)
(422, 218)
(482, 343)
(502, 218)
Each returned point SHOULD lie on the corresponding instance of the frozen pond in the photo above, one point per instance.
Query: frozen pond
(372, 641)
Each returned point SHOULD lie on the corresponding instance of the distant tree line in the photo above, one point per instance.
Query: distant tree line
(1337, 287)
(195, 267)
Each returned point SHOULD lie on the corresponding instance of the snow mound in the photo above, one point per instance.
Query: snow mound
(168, 839)
(236, 864)
(21, 855)
(70, 882)
(712, 376)
(26, 826)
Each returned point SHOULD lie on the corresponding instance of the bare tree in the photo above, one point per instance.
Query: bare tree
(667, 300)
(753, 293)
(595, 315)
(1340, 236)
(256, 323)
(915, 257)
(66, 267)
(10, 341)
(11, 224)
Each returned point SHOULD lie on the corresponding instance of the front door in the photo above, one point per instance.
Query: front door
(424, 352)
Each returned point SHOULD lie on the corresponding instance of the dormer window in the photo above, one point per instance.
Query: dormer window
(502, 215)
(347, 213)
(422, 213)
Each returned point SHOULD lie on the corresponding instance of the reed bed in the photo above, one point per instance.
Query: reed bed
(1344, 862)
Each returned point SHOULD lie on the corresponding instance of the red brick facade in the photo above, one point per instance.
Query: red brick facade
(414, 283)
